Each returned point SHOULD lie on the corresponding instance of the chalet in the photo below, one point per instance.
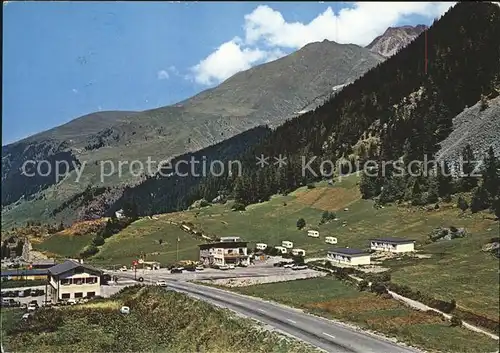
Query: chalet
(24, 275)
(396, 245)
(224, 253)
(73, 280)
(348, 256)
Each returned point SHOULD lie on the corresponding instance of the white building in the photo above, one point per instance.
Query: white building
(298, 252)
(313, 233)
(229, 239)
(261, 246)
(72, 280)
(287, 244)
(347, 256)
(223, 253)
(396, 245)
(331, 240)
(281, 249)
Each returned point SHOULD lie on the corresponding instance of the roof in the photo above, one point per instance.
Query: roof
(232, 244)
(393, 240)
(348, 251)
(69, 265)
(34, 272)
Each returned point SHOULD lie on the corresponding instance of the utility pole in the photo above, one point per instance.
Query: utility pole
(178, 249)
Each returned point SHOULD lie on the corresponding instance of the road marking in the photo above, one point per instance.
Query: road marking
(261, 310)
(327, 334)
(293, 322)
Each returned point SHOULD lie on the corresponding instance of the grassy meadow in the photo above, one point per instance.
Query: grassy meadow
(334, 299)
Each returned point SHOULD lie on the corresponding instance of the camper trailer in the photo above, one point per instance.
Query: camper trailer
(261, 246)
(331, 240)
(313, 233)
(298, 252)
(287, 244)
(281, 249)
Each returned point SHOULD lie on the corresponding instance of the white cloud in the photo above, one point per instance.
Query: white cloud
(267, 33)
(162, 75)
(228, 59)
(74, 90)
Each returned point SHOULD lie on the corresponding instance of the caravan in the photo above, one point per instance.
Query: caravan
(281, 249)
(261, 246)
(298, 252)
(287, 244)
(331, 240)
(313, 233)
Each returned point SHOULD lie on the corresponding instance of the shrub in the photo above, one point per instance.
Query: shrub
(455, 321)
(301, 223)
(362, 285)
(238, 206)
(311, 186)
(378, 288)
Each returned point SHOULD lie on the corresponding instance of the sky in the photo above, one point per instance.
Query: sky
(62, 60)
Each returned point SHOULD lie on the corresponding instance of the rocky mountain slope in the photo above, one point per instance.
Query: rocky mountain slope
(478, 126)
(394, 39)
(267, 94)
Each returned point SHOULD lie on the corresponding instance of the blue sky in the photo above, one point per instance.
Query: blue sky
(66, 59)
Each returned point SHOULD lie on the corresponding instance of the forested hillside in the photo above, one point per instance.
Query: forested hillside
(398, 110)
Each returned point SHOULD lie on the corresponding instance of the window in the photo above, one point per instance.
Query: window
(65, 296)
(78, 281)
(66, 281)
(91, 280)
(90, 294)
(79, 295)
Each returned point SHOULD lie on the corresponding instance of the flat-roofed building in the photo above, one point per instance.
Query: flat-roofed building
(396, 245)
(348, 256)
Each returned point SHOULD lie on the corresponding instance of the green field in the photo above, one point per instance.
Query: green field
(142, 237)
(64, 245)
(333, 299)
(159, 321)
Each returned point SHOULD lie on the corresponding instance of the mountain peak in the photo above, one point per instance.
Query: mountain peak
(395, 38)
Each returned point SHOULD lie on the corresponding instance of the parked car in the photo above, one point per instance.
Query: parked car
(71, 301)
(299, 267)
(125, 310)
(190, 268)
(241, 264)
(26, 316)
(32, 307)
(224, 267)
(289, 265)
(230, 267)
(161, 283)
(199, 268)
(123, 268)
(9, 302)
(176, 270)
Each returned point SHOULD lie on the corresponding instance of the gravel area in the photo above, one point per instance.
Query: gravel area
(249, 281)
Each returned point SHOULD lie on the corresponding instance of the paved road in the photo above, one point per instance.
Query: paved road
(319, 332)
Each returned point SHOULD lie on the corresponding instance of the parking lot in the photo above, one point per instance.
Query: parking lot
(28, 298)
(261, 269)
